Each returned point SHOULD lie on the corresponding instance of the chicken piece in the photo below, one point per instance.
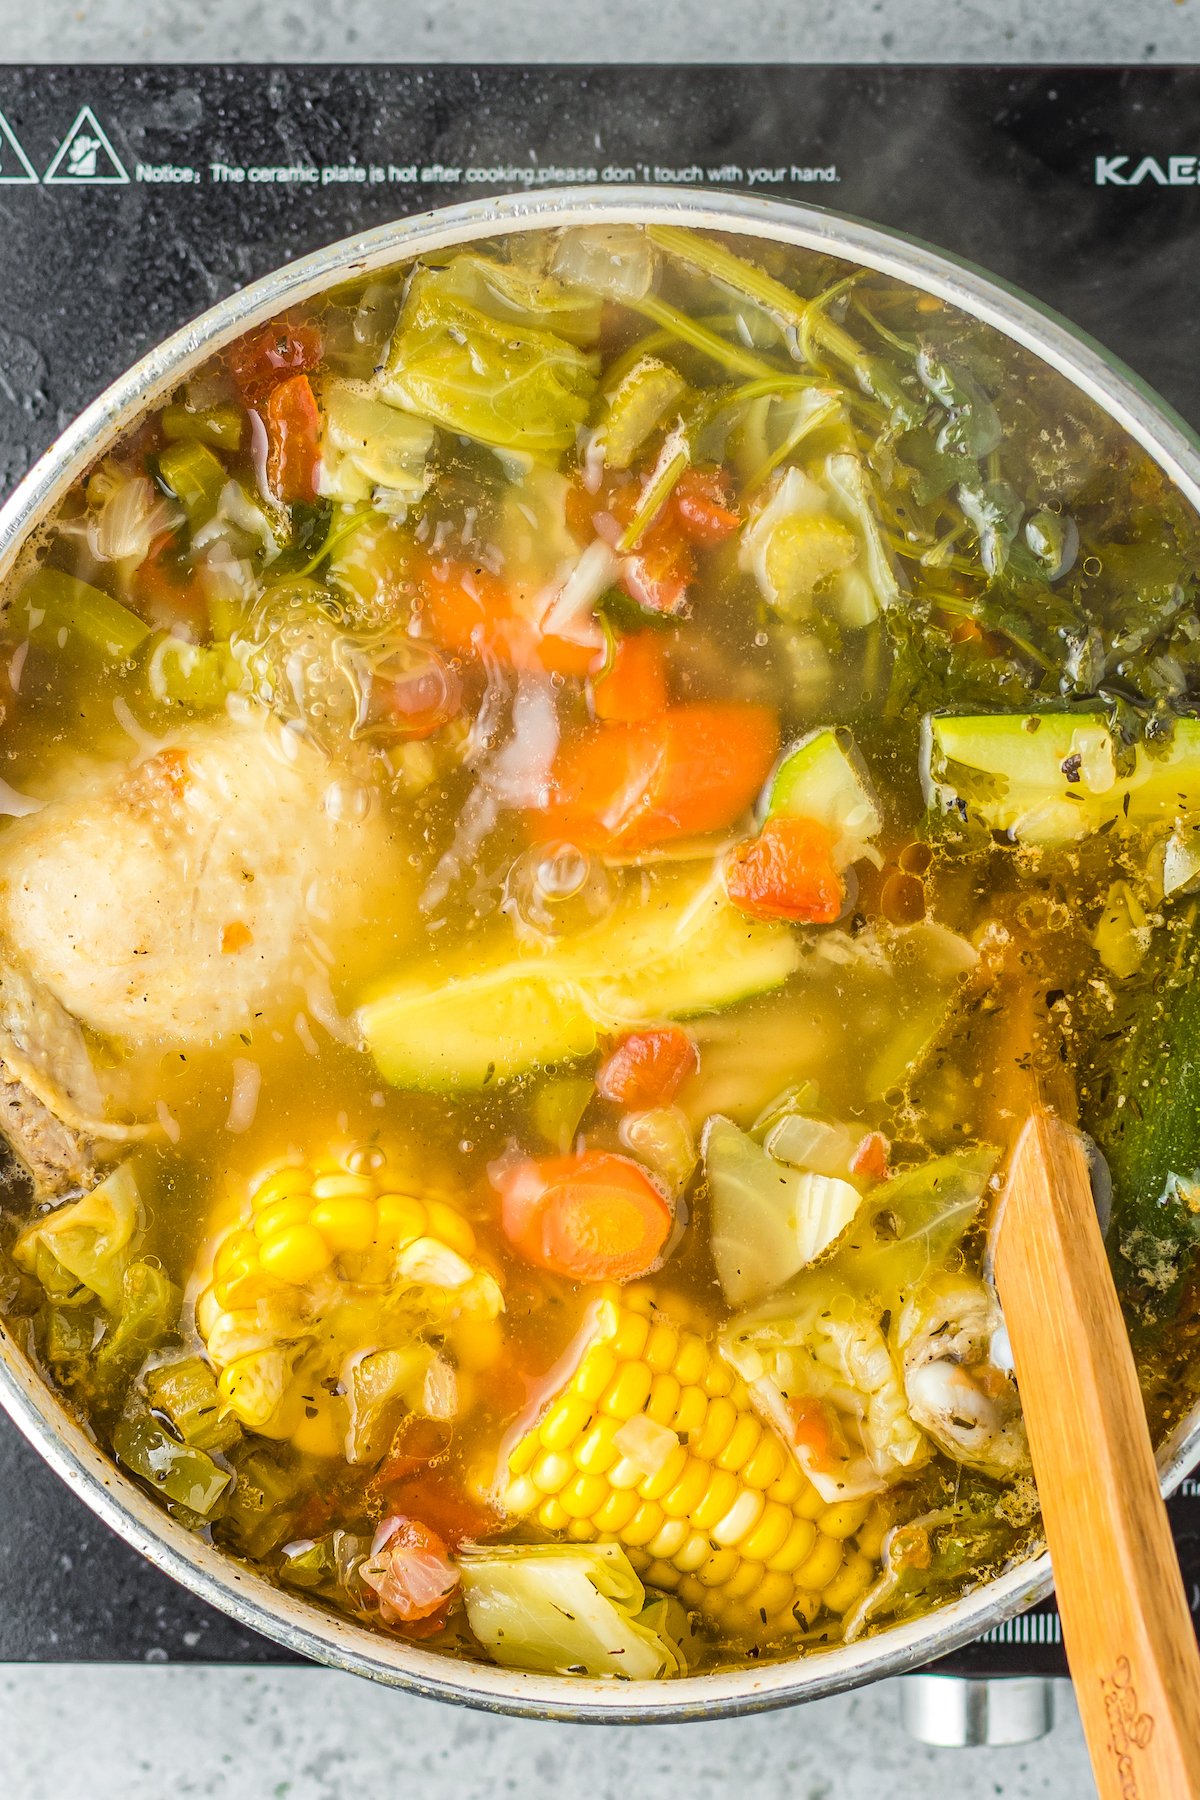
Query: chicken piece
(172, 901)
(956, 1393)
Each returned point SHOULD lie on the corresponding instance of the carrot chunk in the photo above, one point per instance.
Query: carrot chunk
(702, 506)
(648, 1068)
(787, 872)
(594, 1216)
(471, 611)
(635, 688)
(627, 786)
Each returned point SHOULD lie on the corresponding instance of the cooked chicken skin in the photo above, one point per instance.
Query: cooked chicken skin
(173, 900)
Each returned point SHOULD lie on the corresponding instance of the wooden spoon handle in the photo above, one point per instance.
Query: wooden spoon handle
(1128, 1631)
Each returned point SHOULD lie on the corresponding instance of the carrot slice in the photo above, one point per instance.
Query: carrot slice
(293, 421)
(627, 786)
(648, 1068)
(595, 1216)
(870, 1160)
(635, 688)
(787, 872)
(262, 360)
(476, 613)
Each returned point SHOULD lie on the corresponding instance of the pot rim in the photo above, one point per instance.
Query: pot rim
(302, 1626)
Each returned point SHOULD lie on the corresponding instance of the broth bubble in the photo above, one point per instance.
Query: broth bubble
(557, 888)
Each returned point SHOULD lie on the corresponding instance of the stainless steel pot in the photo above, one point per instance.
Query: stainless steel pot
(26, 1397)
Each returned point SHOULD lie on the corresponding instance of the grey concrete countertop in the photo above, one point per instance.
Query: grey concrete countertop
(300, 1734)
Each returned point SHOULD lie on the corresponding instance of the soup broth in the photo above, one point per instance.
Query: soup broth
(560, 803)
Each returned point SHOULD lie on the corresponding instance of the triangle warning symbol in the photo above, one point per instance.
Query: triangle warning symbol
(15, 167)
(86, 158)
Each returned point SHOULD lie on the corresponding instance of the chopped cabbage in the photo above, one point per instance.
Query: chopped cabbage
(956, 1392)
(483, 349)
(769, 1220)
(367, 444)
(571, 1609)
(815, 535)
(83, 1249)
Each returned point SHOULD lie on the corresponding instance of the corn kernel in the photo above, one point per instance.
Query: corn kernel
(653, 1487)
(875, 1528)
(626, 1474)
(522, 1495)
(524, 1453)
(280, 1185)
(719, 1422)
(850, 1583)
(630, 1338)
(346, 1222)
(743, 1441)
(744, 1580)
(319, 1436)
(664, 1399)
(806, 1606)
(551, 1514)
(820, 1565)
(766, 1463)
(595, 1453)
(401, 1218)
(660, 1574)
(691, 1359)
(583, 1496)
(639, 1560)
(741, 1518)
(645, 1523)
(628, 1392)
(564, 1422)
(236, 1253)
(297, 1254)
(792, 1486)
(689, 1414)
(802, 1535)
(447, 1223)
(662, 1347)
(717, 1378)
(719, 1495)
(692, 1592)
(769, 1535)
(639, 1299)
(614, 1514)
(685, 1495)
(693, 1553)
(843, 1518)
(595, 1372)
(580, 1530)
(773, 1593)
(717, 1568)
(343, 1186)
(552, 1471)
(669, 1539)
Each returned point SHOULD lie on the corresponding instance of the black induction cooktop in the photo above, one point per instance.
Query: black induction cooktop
(133, 198)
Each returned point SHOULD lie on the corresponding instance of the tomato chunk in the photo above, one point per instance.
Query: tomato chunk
(261, 361)
(410, 1570)
(787, 872)
(703, 508)
(627, 786)
(293, 421)
(594, 1216)
(648, 1068)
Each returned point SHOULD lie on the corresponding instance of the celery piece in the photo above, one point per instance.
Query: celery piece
(60, 612)
(65, 1339)
(636, 406)
(219, 426)
(195, 476)
(197, 676)
(150, 1309)
(558, 1107)
(676, 324)
(265, 1499)
(311, 1565)
(82, 1249)
(181, 1474)
(186, 1393)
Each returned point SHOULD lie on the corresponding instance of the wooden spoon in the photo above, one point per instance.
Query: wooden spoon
(1126, 1623)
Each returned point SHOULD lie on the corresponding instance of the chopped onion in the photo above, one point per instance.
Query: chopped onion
(243, 1098)
(17, 806)
(617, 260)
(645, 1443)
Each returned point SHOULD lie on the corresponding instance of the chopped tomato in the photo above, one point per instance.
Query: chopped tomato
(648, 1068)
(476, 613)
(701, 502)
(659, 573)
(635, 687)
(593, 1216)
(629, 786)
(870, 1160)
(261, 361)
(787, 872)
(439, 1500)
(410, 1570)
(293, 422)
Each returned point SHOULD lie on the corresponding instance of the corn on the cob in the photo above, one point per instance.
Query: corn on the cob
(329, 1307)
(653, 1443)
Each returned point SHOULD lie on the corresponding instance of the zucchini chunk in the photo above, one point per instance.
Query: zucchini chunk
(824, 778)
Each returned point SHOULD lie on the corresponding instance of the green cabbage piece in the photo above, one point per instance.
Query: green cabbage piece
(570, 1609)
(482, 350)
(83, 1249)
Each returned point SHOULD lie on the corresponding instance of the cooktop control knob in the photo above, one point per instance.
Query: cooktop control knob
(955, 1710)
